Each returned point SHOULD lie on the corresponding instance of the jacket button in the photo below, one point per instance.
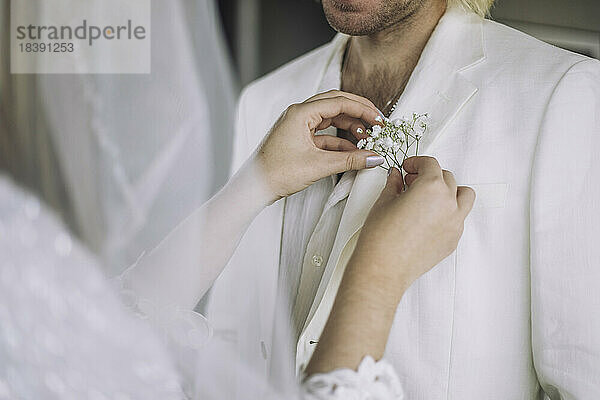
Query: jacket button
(317, 260)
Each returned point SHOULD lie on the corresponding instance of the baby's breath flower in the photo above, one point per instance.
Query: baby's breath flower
(388, 143)
(395, 138)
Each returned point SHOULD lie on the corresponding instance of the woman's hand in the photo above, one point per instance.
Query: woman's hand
(292, 158)
(409, 232)
(405, 235)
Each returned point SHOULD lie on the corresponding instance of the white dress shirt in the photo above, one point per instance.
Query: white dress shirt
(310, 224)
(306, 246)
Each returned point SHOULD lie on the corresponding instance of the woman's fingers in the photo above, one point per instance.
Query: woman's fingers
(342, 161)
(465, 197)
(333, 143)
(410, 178)
(341, 155)
(428, 166)
(422, 166)
(349, 120)
(394, 185)
(416, 167)
(336, 93)
(355, 126)
(319, 111)
(309, 157)
(449, 179)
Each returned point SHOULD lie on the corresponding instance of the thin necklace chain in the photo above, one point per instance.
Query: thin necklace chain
(394, 100)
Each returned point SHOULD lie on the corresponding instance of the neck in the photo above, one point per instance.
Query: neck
(378, 66)
(393, 46)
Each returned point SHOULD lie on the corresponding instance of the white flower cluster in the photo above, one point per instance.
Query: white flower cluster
(393, 139)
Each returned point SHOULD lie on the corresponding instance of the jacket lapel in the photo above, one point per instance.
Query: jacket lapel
(438, 87)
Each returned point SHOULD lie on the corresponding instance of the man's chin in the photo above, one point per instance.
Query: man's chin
(344, 21)
(352, 17)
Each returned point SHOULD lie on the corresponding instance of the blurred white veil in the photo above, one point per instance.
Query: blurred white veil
(137, 153)
(151, 148)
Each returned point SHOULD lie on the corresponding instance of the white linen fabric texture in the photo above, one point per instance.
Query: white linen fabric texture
(58, 338)
(137, 153)
(512, 314)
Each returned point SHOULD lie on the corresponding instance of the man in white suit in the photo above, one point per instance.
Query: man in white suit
(514, 313)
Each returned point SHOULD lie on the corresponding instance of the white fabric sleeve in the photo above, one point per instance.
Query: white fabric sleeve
(374, 380)
(242, 149)
(565, 227)
(185, 264)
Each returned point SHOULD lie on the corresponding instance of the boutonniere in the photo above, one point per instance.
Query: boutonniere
(394, 139)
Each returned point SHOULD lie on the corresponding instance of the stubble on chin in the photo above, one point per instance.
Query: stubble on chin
(346, 19)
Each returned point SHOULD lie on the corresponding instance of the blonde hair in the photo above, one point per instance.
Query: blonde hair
(481, 7)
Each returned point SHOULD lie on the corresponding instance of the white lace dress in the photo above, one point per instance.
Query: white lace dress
(64, 334)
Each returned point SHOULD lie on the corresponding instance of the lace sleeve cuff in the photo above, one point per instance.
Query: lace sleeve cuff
(374, 380)
(179, 326)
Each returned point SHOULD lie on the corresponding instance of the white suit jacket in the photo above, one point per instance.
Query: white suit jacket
(515, 312)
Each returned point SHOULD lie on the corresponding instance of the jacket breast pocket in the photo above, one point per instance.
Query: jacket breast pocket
(489, 195)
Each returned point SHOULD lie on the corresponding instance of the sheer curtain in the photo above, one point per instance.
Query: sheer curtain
(126, 157)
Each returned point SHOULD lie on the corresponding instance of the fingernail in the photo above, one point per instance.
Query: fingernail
(379, 118)
(373, 161)
(360, 131)
(390, 171)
